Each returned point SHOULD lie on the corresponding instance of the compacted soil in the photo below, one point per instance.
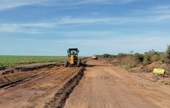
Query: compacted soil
(107, 86)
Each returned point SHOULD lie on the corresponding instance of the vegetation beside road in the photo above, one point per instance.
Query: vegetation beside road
(146, 61)
(18, 60)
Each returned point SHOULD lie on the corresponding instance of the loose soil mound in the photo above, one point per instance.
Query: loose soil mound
(63, 93)
(2, 67)
(36, 66)
(30, 67)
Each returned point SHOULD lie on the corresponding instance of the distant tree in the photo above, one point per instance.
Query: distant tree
(106, 55)
(167, 55)
(147, 59)
(152, 56)
(131, 52)
(122, 55)
(151, 52)
(138, 57)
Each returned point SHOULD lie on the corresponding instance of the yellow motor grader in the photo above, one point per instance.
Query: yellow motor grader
(73, 59)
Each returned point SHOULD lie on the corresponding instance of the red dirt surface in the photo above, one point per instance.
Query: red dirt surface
(35, 92)
(102, 86)
(107, 86)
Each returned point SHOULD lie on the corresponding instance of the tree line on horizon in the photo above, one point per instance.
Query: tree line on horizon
(134, 59)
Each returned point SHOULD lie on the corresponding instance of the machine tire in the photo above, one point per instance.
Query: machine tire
(66, 64)
(79, 63)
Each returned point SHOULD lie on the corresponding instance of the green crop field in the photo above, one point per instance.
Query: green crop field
(18, 60)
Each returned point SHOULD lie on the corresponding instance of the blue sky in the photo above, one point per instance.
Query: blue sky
(49, 27)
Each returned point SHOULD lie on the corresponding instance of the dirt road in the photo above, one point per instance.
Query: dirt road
(35, 92)
(105, 86)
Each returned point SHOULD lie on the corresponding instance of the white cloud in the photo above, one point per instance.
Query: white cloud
(80, 2)
(156, 14)
(114, 20)
(155, 10)
(9, 4)
(67, 21)
(161, 7)
(30, 28)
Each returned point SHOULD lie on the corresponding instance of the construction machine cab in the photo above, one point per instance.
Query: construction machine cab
(73, 51)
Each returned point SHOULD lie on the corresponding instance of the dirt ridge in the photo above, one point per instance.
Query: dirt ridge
(63, 93)
(35, 67)
(30, 67)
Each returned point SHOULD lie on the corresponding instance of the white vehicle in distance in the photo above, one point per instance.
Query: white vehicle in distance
(94, 57)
